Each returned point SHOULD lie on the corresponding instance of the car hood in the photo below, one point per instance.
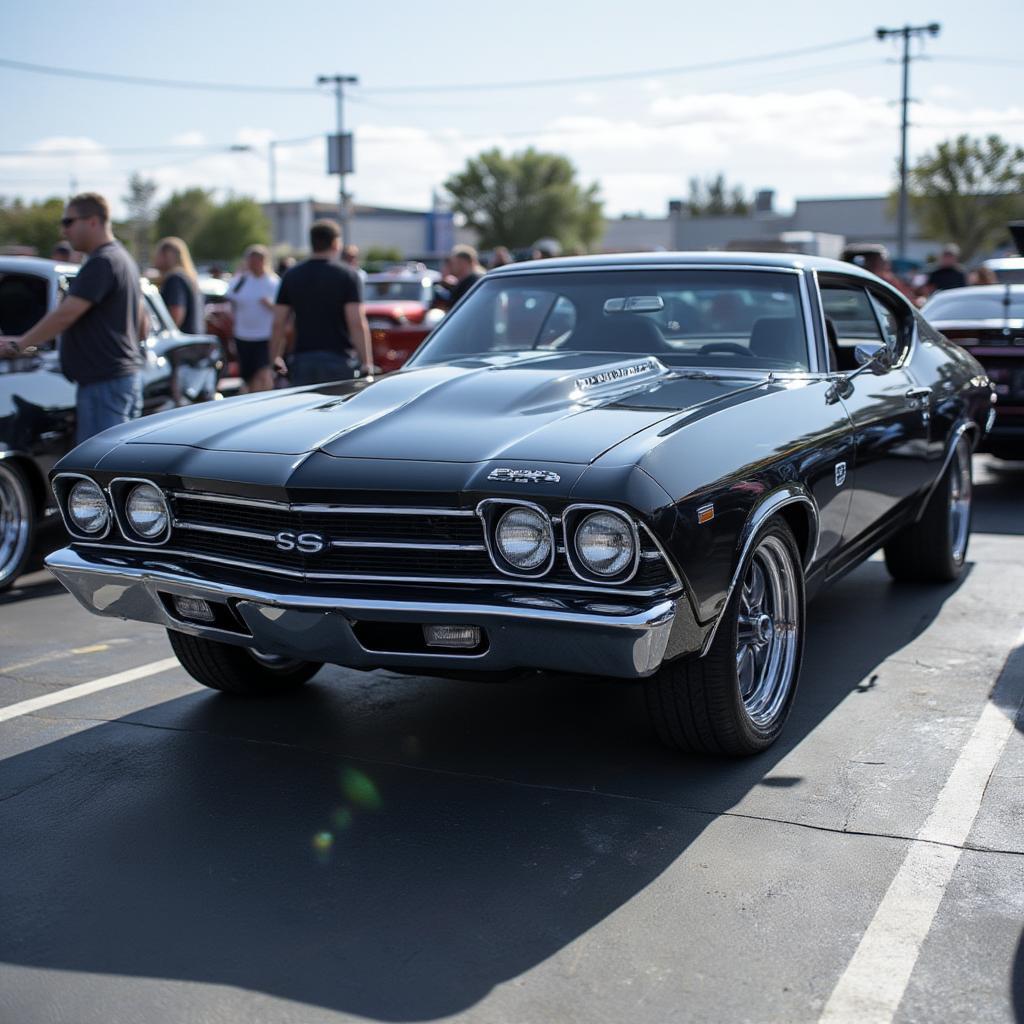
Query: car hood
(568, 409)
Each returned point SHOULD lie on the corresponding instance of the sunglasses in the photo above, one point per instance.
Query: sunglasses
(66, 222)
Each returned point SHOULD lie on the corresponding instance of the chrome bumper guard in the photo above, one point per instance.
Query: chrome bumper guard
(598, 635)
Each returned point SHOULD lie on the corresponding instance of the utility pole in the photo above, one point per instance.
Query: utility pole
(339, 82)
(906, 32)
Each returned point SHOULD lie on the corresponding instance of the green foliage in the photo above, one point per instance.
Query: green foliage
(382, 254)
(712, 198)
(514, 200)
(183, 214)
(966, 190)
(228, 229)
(36, 225)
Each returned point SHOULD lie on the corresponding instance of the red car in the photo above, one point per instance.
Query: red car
(402, 310)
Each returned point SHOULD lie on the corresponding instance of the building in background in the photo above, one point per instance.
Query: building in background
(412, 232)
(818, 226)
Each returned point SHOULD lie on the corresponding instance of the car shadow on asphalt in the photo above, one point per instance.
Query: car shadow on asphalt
(385, 846)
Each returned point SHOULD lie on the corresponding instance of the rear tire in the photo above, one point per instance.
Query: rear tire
(238, 670)
(736, 699)
(934, 549)
(17, 523)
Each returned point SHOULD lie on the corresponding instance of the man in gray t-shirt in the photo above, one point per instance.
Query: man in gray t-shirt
(100, 322)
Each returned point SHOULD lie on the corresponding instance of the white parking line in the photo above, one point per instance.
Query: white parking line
(872, 986)
(25, 707)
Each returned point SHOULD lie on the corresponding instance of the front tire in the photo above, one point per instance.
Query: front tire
(934, 549)
(239, 670)
(736, 699)
(17, 523)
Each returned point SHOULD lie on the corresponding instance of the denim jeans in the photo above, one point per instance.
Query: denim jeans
(107, 403)
(320, 367)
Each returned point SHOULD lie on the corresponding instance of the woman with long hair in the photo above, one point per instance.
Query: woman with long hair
(179, 287)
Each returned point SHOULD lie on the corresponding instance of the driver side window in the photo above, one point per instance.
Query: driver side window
(896, 337)
(850, 320)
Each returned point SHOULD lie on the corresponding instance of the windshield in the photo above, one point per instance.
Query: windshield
(408, 291)
(724, 318)
(974, 304)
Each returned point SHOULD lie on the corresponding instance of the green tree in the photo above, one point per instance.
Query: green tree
(141, 215)
(184, 213)
(36, 224)
(514, 200)
(966, 190)
(229, 228)
(713, 198)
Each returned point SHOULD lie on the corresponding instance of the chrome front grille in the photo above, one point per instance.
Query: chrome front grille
(368, 543)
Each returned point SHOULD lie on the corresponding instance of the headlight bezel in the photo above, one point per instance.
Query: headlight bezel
(491, 511)
(121, 489)
(68, 482)
(573, 518)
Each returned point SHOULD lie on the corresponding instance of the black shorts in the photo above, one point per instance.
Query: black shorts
(253, 356)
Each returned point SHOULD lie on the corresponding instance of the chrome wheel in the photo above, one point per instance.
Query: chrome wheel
(767, 631)
(960, 489)
(15, 524)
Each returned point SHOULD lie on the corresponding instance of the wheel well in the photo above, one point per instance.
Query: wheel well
(798, 518)
(34, 478)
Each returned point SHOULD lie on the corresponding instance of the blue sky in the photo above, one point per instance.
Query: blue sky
(818, 124)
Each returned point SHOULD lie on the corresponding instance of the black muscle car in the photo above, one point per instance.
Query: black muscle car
(627, 466)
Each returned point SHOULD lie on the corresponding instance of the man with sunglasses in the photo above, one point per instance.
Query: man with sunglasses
(99, 321)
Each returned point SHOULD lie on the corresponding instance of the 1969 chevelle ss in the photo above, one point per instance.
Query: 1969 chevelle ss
(636, 467)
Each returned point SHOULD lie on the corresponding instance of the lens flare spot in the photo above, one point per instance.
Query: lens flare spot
(322, 843)
(359, 788)
(341, 819)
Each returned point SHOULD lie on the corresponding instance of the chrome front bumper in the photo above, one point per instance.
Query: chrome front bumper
(594, 636)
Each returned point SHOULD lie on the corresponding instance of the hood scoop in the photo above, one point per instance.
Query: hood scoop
(614, 378)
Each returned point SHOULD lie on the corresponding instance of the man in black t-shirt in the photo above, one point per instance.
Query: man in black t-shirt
(466, 267)
(325, 298)
(99, 319)
(949, 273)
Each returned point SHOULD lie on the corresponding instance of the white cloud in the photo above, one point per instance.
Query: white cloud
(188, 139)
(824, 142)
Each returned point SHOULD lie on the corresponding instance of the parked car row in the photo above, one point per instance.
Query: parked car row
(37, 403)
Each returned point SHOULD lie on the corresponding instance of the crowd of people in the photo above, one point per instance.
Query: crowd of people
(947, 273)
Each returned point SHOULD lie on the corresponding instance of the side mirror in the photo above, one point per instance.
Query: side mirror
(875, 358)
(871, 358)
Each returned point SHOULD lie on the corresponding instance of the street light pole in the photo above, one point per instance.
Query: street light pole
(339, 82)
(906, 32)
(272, 156)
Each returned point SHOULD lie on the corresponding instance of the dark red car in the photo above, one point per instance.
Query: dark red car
(988, 321)
(402, 310)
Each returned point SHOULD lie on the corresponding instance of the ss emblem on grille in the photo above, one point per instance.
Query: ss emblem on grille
(308, 543)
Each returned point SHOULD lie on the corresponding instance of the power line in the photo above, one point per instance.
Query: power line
(168, 83)
(615, 76)
(161, 83)
(227, 147)
(955, 58)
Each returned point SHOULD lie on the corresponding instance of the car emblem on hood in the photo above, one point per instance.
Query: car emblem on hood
(524, 476)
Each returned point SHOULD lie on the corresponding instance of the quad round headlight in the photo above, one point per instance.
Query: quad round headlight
(146, 511)
(605, 544)
(87, 507)
(523, 538)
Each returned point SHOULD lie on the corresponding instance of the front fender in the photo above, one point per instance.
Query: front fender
(805, 524)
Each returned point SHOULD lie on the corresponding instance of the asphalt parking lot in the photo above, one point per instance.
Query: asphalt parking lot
(393, 848)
